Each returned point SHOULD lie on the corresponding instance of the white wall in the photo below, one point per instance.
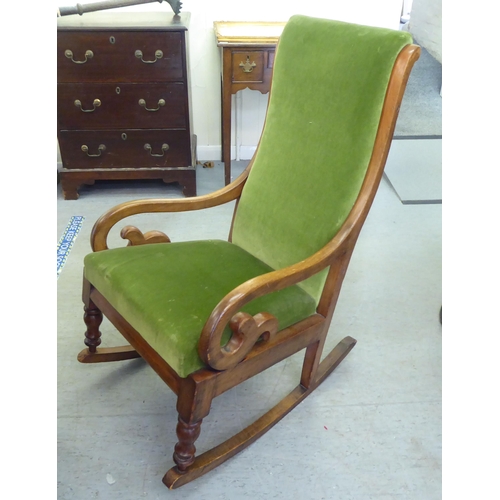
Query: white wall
(425, 25)
(249, 106)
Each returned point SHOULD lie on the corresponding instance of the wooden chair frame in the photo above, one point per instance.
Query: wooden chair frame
(246, 356)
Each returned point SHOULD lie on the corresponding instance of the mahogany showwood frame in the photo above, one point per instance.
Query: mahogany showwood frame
(196, 392)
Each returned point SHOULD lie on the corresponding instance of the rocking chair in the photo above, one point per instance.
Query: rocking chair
(208, 315)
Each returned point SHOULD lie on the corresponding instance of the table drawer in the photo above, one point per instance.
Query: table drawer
(127, 105)
(251, 66)
(114, 56)
(125, 148)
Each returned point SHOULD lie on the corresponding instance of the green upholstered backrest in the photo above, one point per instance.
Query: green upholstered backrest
(328, 88)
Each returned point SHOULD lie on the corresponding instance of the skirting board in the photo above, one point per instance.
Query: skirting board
(414, 169)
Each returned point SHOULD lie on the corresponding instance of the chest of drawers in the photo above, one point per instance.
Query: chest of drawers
(123, 99)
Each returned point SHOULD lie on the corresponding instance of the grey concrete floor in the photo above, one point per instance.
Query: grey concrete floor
(372, 430)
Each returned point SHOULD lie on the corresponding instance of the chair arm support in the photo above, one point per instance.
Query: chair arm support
(247, 330)
(102, 227)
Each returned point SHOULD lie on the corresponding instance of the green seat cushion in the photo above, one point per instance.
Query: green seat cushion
(167, 291)
(329, 84)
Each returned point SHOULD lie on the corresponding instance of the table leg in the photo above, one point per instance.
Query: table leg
(226, 114)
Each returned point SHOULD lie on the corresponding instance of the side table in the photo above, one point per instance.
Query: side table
(248, 50)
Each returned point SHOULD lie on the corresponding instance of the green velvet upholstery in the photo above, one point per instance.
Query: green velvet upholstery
(329, 84)
(167, 291)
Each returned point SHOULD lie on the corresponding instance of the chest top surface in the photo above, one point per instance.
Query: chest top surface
(154, 21)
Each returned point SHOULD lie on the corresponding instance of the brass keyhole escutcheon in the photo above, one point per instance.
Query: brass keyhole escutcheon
(112, 39)
(247, 65)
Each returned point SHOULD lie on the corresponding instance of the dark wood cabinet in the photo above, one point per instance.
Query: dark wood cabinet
(123, 99)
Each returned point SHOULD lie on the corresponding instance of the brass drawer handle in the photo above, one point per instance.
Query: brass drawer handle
(88, 55)
(247, 65)
(158, 55)
(164, 147)
(101, 148)
(96, 103)
(142, 103)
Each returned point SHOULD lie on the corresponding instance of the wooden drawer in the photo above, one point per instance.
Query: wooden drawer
(127, 105)
(125, 149)
(114, 56)
(251, 66)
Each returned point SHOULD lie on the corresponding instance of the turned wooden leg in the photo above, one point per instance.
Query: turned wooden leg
(185, 449)
(193, 405)
(93, 319)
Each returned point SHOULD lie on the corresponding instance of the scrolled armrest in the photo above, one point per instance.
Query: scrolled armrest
(104, 224)
(247, 329)
(135, 237)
